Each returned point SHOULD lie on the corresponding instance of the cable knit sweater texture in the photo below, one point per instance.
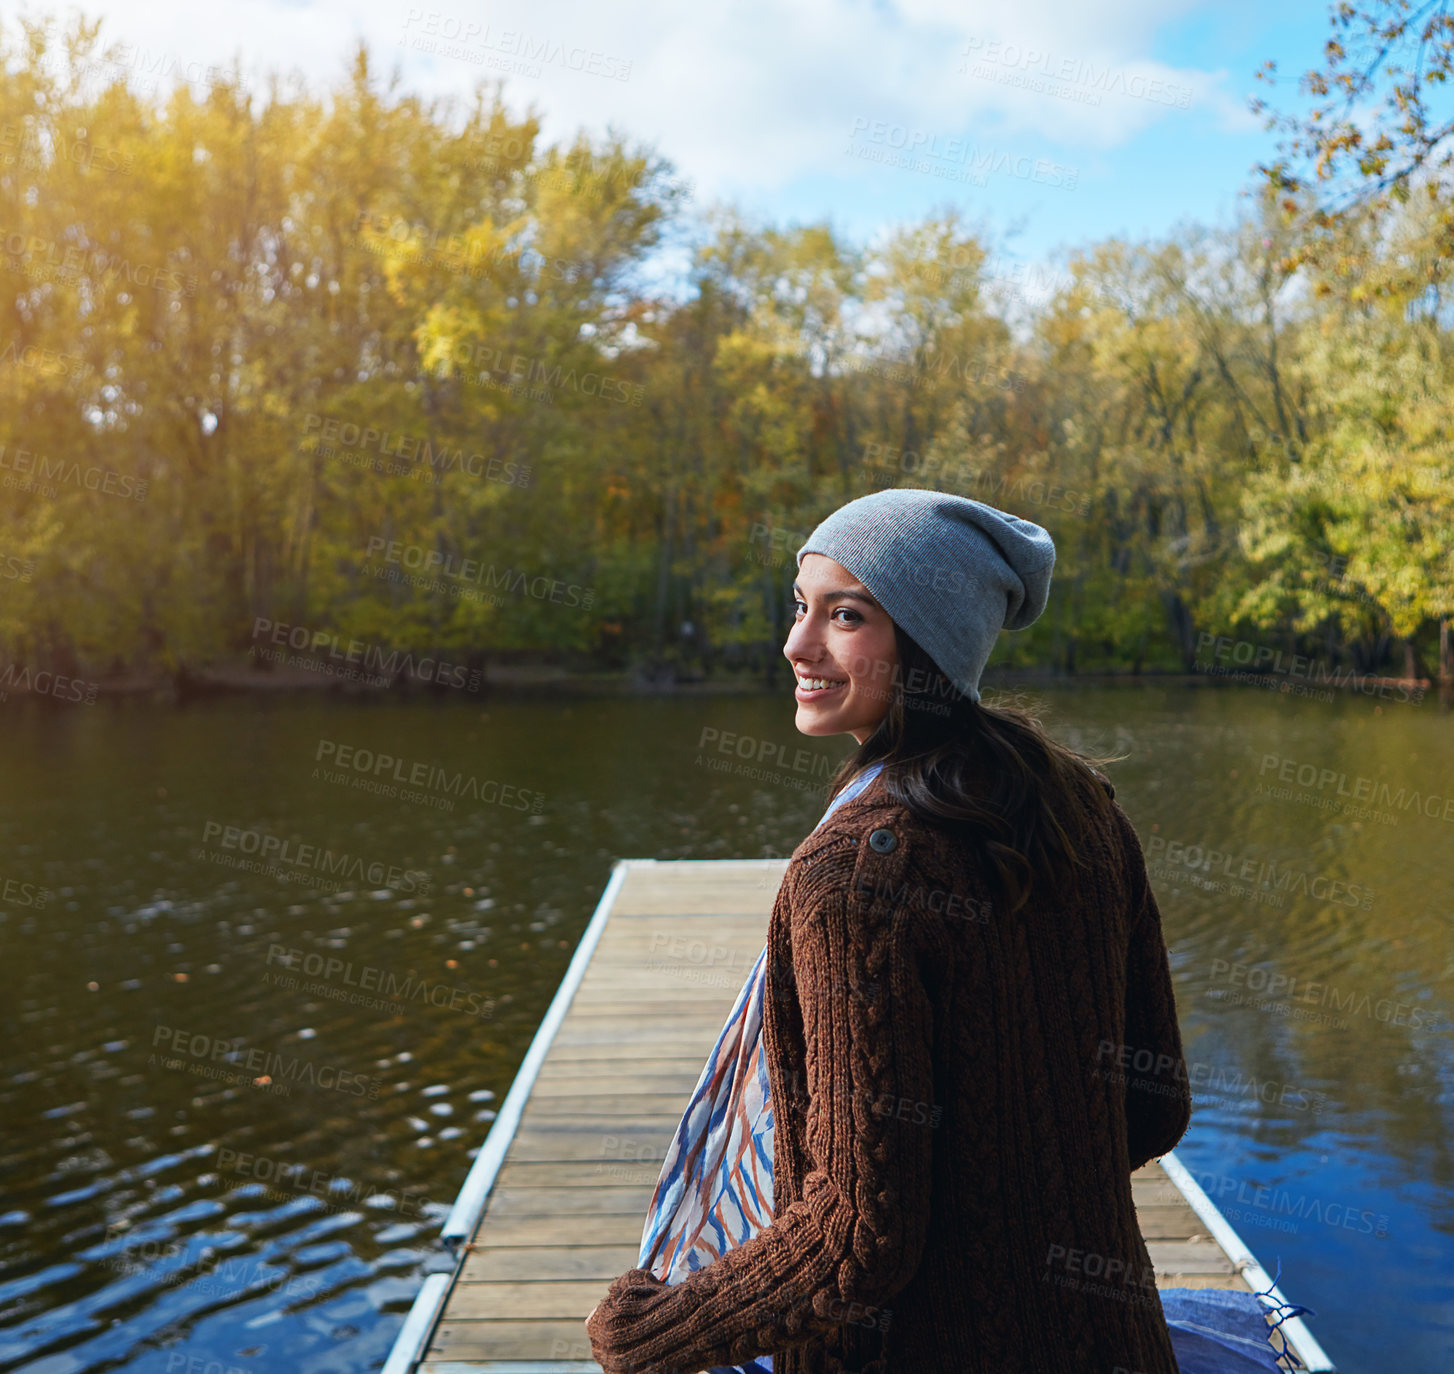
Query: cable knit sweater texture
(960, 1097)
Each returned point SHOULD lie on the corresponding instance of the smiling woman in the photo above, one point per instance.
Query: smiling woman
(901, 1132)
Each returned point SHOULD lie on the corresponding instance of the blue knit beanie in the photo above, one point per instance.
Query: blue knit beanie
(951, 571)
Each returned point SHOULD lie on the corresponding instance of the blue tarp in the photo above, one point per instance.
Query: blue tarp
(1224, 1331)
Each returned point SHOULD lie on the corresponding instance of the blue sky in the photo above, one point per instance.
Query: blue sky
(805, 110)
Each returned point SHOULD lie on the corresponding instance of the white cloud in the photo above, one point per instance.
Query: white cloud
(743, 97)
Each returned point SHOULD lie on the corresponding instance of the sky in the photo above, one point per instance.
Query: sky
(1050, 123)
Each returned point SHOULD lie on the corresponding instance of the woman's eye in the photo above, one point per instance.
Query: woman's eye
(853, 616)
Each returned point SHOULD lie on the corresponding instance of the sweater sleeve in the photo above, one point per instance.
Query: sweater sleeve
(1158, 1094)
(855, 1237)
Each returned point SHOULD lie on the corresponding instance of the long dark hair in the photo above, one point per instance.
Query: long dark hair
(989, 772)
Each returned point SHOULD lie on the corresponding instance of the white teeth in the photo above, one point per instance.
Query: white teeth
(815, 684)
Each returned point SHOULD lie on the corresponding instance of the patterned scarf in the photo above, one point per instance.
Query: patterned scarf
(715, 1188)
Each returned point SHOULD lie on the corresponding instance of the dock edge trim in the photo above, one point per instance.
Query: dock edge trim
(412, 1341)
(413, 1335)
(1302, 1340)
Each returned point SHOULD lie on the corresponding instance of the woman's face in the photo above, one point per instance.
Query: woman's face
(844, 638)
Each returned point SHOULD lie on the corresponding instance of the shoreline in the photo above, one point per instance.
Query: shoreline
(508, 679)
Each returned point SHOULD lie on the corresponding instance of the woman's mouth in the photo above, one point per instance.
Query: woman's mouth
(817, 688)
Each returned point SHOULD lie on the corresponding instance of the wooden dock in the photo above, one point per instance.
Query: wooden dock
(553, 1207)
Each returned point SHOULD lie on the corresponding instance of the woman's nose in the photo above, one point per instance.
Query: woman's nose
(799, 643)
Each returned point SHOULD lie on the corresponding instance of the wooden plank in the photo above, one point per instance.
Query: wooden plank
(597, 1077)
(605, 1199)
(641, 946)
(601, 1077)
(474, 1341)
(683, 1005)
(543, 1131)
(734, 912)
(591, 1059)
(692, 909)
(664, 990)
(697, 1025)
(659, 957)
(608, 1108)
(543, 1300)
(627, 1037)
(1203, 1281)
(1146, 1192)
(557, 1230)
(689, 903)
(714, 988)
(591, 1094)
(1187, 1256)
(661, 994)
(520, 1263)
(533, 1173)
(666, 938)
(601, 1145)
(727, 966)
(673, 1002)
(646, 971)
(1167, 1221)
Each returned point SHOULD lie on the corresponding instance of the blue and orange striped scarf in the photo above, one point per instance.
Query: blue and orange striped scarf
(715, 1188)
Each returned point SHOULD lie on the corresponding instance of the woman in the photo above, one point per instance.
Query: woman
(911, 1147)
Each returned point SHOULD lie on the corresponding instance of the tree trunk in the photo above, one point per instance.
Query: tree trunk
(775, 614)
(663, 573)
(1182, 629)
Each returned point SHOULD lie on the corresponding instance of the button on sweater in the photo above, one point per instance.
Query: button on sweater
(960, 1098)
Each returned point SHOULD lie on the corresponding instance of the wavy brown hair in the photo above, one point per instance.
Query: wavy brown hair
(989, 772)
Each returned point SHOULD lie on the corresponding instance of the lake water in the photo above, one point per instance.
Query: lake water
(219, 1146)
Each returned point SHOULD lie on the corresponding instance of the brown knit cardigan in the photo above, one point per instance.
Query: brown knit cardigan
(960, 1097)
